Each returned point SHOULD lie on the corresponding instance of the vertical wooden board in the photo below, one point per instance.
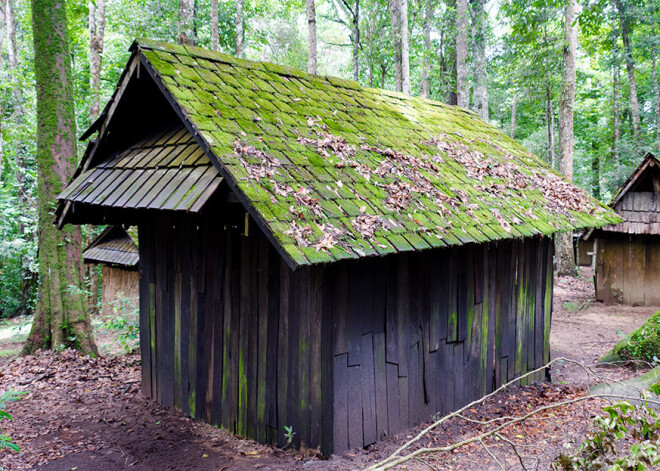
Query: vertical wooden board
(379, 267)
(635, 284)
(356, 310)
(271, 384)
(193, 346)
(448, 378)
(229, 305)
(315, 356)
(601, 279)
(391, 317)
(547, 304)
(167, 322)
(505, 289)
(283, 356)
(530, 287)
(480, 260)
(462, 294)
(402, 317)
(341, 301)
(304, 285)
(368, 390)
(490, 272)
(433, 394)
(452, 296)
(216, 275)
(235, 313)
(203, 350)
(394, 424)
(459, 379)
(425, 319)
(327, 357)
(652, 275)
(518, 312)
(355, 422)
(404, 401)
(245, 314)
(618, 256)
(340, 403)
(539, 324)
(380, 384)
(262, 343)
(145, 326)
(294, 388)
(253, 337)
(185, 319)
(436, 296)
(497, 288)
(177, 339)
(415, 394)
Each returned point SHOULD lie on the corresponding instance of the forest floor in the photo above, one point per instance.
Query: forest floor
(88, 414)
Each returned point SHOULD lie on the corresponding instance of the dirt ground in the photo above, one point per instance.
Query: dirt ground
(88, 414)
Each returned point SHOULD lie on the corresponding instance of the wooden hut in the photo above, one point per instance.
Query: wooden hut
(117, 253)
(628, 253)
(342, 260)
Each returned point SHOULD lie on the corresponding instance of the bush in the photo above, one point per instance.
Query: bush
(643, 344)
(8, 396)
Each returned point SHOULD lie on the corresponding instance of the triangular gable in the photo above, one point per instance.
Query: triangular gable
(649, 163)
(330, 170)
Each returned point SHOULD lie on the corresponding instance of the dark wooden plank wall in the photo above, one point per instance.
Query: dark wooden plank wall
(424, 333)
(344, 353)
(628, 269)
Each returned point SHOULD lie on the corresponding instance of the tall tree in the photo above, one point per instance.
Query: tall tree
(21, 167)
(615, 91)
(630, 66)
(96, 37)
(61, 317)
(311, 37)
(479, 24)
(215, 40)
(395, 22)
(654, 75)
(186, 23)
(405, 47)
(426, 56)
(240, 29)
(462, 95)
(564, 240)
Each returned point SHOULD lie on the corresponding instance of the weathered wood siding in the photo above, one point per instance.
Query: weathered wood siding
(628, 269)
(119, 286)
(641, 214)
(344, 353)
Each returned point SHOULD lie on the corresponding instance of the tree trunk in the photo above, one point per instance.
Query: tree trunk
(564, 241)
(462, 95)
(479, 19)
(514, 110)
(426, 57)
(186, 23)
(96, 37)
(355, 39)
(215, 39)
(311, 37)
(449, 64)
(595, 171)
(60, 318)
(550, 125)
(656, 92)
(383, 73)
(240, 29)
(405, 48)
(395, 21)
(630, 67)
(615, 93)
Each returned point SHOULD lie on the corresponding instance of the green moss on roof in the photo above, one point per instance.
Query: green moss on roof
(338, 171)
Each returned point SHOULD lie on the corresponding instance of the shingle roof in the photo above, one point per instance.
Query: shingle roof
(167, 170)
(331, 170)
(114, 246)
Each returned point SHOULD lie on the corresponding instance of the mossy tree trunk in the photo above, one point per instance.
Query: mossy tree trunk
(564, 241)
(61, 317)
(311, 37)
(462, 92)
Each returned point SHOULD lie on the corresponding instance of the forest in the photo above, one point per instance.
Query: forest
(501, 58)
(281, 291)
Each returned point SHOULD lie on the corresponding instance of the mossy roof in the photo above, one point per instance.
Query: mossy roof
(331, 170)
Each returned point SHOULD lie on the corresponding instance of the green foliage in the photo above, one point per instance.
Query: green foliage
(288, 434)
(644, 343)
(124, 321)
(5, 397)
(626, 437)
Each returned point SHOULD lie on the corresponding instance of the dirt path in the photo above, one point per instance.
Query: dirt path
(87, 414)
(584, 330)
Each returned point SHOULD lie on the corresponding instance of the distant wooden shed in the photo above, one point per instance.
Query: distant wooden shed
(117, 253)
(628, 253)
(342, 260)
